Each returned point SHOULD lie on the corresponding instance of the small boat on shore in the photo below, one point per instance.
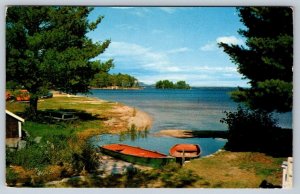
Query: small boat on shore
(136, 155)
(23, 95)
(186, 151)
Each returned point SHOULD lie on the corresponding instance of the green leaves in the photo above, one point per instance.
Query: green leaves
(104, 79)
(93, 25)
(267, 60)
(267, 95)
(47, 48)
(166, 84)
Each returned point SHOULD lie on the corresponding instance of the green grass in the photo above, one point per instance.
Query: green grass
(77, 103)
(236, 170)
(63, 150)
(91, 116)
(16, 107)
(44, 130)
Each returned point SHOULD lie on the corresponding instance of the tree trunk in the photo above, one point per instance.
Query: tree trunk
(33, 106)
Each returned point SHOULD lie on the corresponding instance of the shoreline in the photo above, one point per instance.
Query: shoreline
(117, 88)
(183, 133)
(120, 117)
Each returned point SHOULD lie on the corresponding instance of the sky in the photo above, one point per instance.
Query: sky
(174, 43)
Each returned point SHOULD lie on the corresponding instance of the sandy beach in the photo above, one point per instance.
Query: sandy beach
(124, 117)
(119, 117)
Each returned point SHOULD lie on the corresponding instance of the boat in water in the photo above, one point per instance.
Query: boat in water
(185, 151)
(136, 155)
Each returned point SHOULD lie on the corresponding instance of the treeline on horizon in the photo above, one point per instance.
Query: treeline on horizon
(166, 84)
(104, 80)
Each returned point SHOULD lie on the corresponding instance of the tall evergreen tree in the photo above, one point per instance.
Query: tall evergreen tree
(267, 58)
(47, 48)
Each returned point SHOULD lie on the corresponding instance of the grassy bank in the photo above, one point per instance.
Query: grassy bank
(62, 152)
(236, 170)
(55, 150)
(223, 170)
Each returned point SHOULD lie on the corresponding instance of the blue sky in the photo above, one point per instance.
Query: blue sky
(175, 43)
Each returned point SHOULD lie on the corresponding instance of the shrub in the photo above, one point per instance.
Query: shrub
(249, 130)
(32, 156)
(85, 159)
(52, 159)
(11, 177)
(175, 176)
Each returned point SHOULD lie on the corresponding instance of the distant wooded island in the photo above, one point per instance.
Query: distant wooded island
(114, 81)
(166, 84)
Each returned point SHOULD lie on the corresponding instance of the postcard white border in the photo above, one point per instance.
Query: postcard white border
(296, 107)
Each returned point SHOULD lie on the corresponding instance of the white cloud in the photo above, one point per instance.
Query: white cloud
(214, 69)
(230, 40)
(140, 11)
(150, 65)
(211, 46)
(196, 78)
(126, 27)
(178, 50)
(139, 56)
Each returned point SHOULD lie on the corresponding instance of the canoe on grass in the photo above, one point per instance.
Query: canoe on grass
(136, 155)
(187, 151)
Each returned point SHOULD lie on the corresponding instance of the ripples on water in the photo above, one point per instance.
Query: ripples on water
(196, 109)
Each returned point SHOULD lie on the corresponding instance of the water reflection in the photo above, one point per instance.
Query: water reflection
(132, 133)
(147, 140)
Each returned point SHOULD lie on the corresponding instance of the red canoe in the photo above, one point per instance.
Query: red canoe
(187, 151)
(136, 155)
(131, 150)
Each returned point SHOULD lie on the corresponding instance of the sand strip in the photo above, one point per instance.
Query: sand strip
(120, 117)
(182, 133)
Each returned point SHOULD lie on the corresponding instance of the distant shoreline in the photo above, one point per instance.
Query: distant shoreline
(117, 88)
(151, 86)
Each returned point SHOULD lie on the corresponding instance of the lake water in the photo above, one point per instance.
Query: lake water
(195, 109)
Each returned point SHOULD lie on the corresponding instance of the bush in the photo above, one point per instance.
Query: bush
(85, 159)
(35, 155)
(173, 176)
(249, 130)
(11, 177)
(30, 157)
(52, 159)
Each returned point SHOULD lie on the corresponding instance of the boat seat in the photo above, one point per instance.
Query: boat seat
(186, 151)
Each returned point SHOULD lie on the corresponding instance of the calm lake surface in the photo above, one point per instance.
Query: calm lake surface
(195, 109)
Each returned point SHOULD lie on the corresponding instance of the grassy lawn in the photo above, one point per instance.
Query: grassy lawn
(76, 103)
(236, 170)
(90, 121)
(62, 150)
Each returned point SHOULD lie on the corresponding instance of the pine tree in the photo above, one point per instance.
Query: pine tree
(267, 58)
(47, 48)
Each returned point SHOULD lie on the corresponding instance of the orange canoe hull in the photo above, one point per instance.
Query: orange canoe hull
(136, 155)
(187, 151)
